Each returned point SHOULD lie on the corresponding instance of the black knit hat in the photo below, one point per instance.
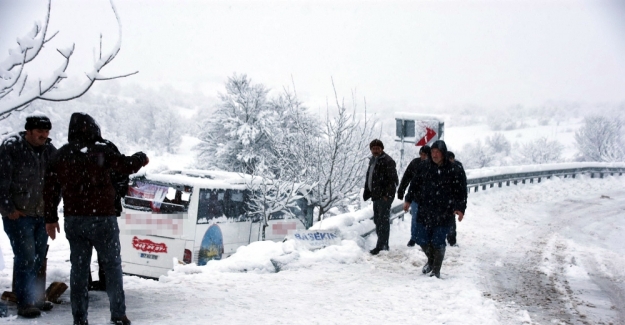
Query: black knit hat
(376, 143)
(38, 122)
(425, 149)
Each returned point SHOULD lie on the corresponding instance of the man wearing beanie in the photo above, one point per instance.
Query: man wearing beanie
(23, 161)
(80, 173)
(437, 188)
(380, 184)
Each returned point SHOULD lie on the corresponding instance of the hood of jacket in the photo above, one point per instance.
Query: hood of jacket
(83, 128)
(440, 145)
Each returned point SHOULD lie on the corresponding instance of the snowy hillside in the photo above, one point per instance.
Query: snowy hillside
(548, 253)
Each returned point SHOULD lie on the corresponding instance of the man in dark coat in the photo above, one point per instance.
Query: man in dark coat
(23, 161)
(451, 237)
(80, 172)
(380, 184)
(437, 188)
(424, 152)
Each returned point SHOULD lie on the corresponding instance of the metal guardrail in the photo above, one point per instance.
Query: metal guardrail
(522, 178)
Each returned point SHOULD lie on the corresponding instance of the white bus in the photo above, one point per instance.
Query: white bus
(194, 216)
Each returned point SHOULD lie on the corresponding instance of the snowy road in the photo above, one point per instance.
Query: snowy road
(548, 253)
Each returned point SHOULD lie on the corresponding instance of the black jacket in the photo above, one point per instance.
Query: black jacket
(22, 172)
(81, 170)
(411, 170)
(439, 191)
(384, 180)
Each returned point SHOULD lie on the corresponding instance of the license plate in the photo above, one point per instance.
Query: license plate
(149, 256)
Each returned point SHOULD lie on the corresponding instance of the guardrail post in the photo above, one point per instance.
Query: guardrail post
(600, 175)
(491, 185)
(523, 181)
(573, 175)
(476, 188)
(531, 180)
(538, 179)
(592, 175)
(484, 187)
(499, 184)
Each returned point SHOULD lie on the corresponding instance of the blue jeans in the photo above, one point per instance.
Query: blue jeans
(429, 235)
(29, 242)
(83, 234)
(414, 207)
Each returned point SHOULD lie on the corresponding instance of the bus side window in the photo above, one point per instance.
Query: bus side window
(211, 205)
(234, 204)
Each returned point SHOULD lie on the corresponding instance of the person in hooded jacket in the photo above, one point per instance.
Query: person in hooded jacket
(437, 188)
(80, 174)
(23, 160)
(380, 184)
(424, 152)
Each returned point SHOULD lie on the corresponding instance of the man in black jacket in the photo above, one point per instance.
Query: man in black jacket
(380, 184)
(437, 188)
(424, 152)
(80, 171)
(451, 237)
(23, 161)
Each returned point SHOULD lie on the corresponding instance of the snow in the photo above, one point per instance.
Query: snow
(545, 253)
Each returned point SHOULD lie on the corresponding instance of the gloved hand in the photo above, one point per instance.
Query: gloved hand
(142, 157)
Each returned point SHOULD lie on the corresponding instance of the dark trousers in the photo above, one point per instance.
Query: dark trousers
(382, 220)
(28, 239)
(414, 209)
(101, 233)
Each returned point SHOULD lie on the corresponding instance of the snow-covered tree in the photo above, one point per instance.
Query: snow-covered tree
(273, 197)
(601, 139)
(254, 134)
(541, 151)
(168, 130)
(339, 158)
(477, 155)
(498, 143)
(19, 86)
(237, 136)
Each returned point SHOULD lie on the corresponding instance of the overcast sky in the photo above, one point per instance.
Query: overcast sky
(397, 54)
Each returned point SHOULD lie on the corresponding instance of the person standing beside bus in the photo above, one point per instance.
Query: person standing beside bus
(23, 161)
(80, 173)
(424, 152)
(380, 184)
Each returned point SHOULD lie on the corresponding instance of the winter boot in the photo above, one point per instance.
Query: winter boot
(374, 251)
(411, 243)
(427, 249)
(120, 320)
(437, 262)
(44, 305)
(29, 311)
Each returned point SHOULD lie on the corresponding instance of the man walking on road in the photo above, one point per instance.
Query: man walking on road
(380, 184)
(424, 152)
(80, 172)
(437, 188)
(451, 237)
(23, 161)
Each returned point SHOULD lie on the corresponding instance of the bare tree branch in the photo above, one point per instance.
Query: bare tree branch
(48, 88)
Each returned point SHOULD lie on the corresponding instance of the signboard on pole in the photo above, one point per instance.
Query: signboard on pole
(419, 129)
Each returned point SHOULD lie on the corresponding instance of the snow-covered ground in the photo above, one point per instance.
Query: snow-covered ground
(547, 253)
